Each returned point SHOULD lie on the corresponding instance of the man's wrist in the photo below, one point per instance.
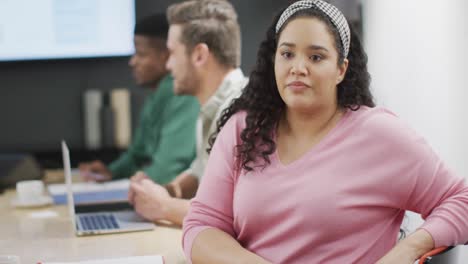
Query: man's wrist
(173, 190)
(168, 208)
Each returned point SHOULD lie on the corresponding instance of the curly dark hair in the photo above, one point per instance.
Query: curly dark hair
(261, 100)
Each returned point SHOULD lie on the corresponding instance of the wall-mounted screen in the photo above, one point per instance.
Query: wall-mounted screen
(56, 29)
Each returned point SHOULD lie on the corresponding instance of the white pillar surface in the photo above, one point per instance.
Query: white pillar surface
(418, 55)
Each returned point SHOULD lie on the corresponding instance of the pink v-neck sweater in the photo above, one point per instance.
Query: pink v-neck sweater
(341, 202)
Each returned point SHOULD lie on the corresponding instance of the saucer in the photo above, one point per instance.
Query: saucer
(38, 202)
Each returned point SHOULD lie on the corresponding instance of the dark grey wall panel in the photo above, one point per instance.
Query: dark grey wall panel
(40, 101)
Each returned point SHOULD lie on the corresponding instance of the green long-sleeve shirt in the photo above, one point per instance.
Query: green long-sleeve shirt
(164, 142)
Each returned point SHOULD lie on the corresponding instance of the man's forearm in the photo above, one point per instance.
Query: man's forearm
(181, 189)
(176, 209)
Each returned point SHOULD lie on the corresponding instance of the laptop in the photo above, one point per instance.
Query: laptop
(100, 217)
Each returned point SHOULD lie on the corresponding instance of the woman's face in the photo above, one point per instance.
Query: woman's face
(306, 68)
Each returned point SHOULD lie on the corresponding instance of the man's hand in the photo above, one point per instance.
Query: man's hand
(95, 171)
(149, 199)
(184, 186)
(138, 177)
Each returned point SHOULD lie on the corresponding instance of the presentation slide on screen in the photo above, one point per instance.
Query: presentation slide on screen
(48, 29)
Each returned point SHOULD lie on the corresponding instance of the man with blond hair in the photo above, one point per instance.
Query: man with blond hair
(165, 120)
(204, 45)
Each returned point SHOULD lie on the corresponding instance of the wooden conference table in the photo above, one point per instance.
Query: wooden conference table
(46, 234)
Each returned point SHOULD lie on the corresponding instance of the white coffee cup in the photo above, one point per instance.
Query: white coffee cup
(29, 191)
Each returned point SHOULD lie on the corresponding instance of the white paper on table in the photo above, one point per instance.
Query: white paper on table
(124, 260)
(60, 188)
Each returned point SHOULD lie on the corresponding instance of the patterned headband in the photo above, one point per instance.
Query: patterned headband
(337, 18)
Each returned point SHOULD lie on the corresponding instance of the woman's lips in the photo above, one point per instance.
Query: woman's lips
(297, 86)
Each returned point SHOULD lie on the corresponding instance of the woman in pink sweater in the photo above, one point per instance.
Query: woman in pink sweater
(307, 170)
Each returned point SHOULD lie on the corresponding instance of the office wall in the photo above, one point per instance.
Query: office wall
(417, 54)
(40, 101)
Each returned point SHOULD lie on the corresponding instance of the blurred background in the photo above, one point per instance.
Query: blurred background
(41, 99)
(417, 59)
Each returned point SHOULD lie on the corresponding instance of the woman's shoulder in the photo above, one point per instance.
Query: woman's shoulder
(384, 125)
(233, 127)
(237, 121)
(230, 132)
(372, 117)
(366, 113)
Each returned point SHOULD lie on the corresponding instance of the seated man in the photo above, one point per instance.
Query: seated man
(204, 61)
(164, 142)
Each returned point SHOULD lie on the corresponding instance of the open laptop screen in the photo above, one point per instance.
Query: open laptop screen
(68, 181)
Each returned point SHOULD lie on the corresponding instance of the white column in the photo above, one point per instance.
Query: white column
(418, 59)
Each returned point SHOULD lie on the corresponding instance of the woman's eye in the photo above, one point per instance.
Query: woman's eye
(286, 54)
(316, 58)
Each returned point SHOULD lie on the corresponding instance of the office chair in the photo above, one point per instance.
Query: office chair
(439, 253)
(429, 256)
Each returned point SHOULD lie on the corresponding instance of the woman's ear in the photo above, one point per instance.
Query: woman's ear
(200, 54)
(342, 68)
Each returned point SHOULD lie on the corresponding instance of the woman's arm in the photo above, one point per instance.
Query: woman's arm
(214, 246)
(209, 229)
(410, 249)
(422, 183)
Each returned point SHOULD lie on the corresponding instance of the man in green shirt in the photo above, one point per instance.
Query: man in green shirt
(164, 142)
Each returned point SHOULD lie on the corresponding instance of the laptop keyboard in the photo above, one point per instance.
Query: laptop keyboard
(98, 222)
